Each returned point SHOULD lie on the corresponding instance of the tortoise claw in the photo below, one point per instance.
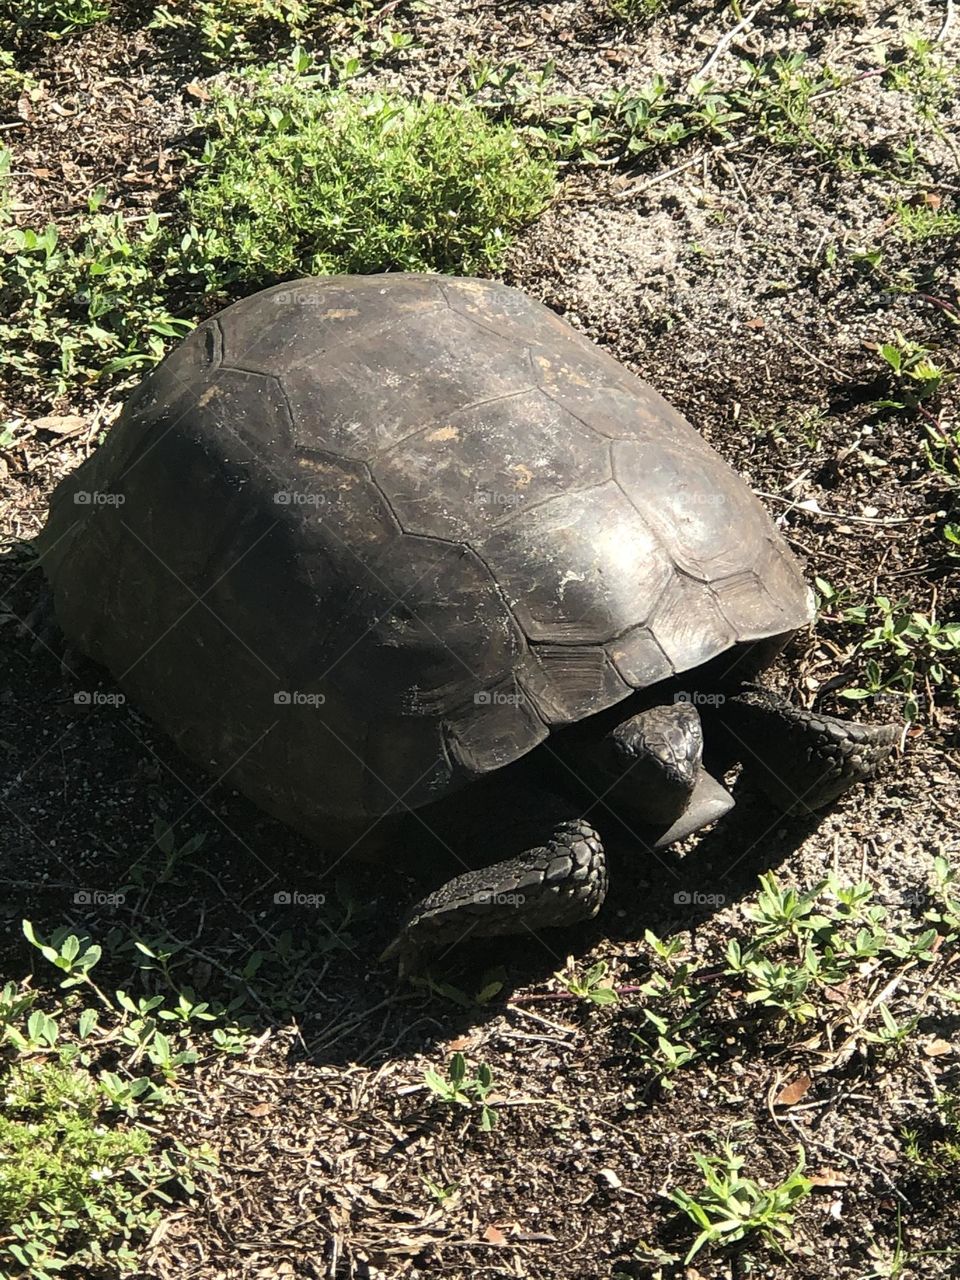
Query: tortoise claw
(802, 759)
(557, 884)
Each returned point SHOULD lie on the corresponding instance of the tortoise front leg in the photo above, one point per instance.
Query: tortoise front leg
(558, 883)
(802, 759)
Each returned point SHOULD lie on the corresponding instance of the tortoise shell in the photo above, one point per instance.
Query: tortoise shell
(358, 540)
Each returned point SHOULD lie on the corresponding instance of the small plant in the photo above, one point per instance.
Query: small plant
(920, 222)
(917, 376)
(942, 451)
(936, 1153)
(233, 31)
(728, 1207)
(89, 307)
(920, 71)
(51, 18)
(457, 1090)
(909, 646)
(298, 178)
(634, 10)
(594, 987)
(673, 1010)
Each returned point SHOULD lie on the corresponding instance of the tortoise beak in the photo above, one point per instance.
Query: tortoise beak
(708, 802)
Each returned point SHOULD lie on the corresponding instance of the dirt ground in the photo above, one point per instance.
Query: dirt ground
(712, 274)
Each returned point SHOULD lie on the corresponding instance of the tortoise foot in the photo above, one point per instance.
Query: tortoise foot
(802, 759)
(557, 884)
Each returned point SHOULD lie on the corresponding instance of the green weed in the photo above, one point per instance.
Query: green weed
(51, 18)
(457, 1089)
(77, 310)
(673, 1006)
(920, 222)
(728, 1206)
(906, 649)
(806, 942)
(299, 178)
(594, 987)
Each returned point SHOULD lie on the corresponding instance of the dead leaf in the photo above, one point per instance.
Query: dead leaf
(791, 1093)
(828, 1178)
(261, 1109)
(937, 1048)
(493, 1235)
(196, 90)
(60, 424)
(756, 323)
(458, 1045)
(932, 200)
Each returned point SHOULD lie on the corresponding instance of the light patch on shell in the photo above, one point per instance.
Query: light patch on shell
(339, 313)
(208, 395)
(444, 433)
(524, 475)
(567, 579)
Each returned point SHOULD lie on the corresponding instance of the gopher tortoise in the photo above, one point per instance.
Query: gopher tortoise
(361, 541)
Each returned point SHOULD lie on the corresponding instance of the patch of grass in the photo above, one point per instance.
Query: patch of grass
(729, 1207)
(935, 1154)
(776, 100)
(805, 943)
(80, 308)
(910, 654)
(84, 1170)
(921, 222)
(634, 10)
(920, 71)
(54, 19)
(235, 29)
(298, 178)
